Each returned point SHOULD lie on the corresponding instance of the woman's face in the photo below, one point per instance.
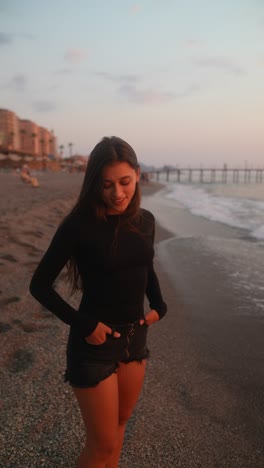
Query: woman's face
(119, 184)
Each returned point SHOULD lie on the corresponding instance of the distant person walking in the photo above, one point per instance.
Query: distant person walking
(107, 243)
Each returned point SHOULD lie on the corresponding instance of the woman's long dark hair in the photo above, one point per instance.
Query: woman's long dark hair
(108, 151)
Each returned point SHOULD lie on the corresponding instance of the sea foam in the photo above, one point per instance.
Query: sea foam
(234, 211)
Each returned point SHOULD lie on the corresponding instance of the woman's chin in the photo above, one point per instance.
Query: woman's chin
(117, 208)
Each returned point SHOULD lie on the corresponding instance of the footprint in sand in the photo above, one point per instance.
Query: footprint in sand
(24, 244)
(21, 361)
(8, 257)
(9, 300)
(4, 327)
(31, 264)
(26, 327)
(34, 233)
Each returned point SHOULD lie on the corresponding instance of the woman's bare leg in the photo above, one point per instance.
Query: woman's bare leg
(130, 378)
(99, 409)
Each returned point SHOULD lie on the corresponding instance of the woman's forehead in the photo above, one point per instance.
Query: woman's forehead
(117, 170)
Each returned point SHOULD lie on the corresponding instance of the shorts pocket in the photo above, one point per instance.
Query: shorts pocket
(96, 345)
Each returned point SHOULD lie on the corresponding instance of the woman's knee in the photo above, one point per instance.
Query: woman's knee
(102, 447)
(124, 417)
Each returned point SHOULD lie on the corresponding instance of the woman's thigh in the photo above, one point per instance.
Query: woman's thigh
(100, 409)
(130, 377)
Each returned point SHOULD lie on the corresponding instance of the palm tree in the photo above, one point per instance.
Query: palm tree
(61, 148)
(70, 149)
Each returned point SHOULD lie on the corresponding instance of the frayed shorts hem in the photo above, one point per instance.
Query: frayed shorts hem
(75, 383)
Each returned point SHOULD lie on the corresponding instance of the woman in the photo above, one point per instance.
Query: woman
(107, 243)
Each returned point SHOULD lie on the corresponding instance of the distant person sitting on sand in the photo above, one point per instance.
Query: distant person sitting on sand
(26, 176)
(107, 243)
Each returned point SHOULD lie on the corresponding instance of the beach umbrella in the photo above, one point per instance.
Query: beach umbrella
(14, 157)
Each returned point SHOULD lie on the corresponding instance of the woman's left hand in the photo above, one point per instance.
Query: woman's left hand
(151, 317)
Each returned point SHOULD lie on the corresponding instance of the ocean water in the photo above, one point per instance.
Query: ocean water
(217, 234)
(231, 204)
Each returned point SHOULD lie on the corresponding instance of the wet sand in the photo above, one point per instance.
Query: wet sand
(202, 402)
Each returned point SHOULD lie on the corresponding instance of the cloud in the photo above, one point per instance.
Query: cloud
(26, 35)
(63, 71)
(128, 87)
(192, 43)
(118, 78)
(147, 96)
(44, 106)
(150, 96)
(17, 83)
(189, 91)
(54, 87)
(134, 8)
(8, 38)
(221, 63)
(75, 55)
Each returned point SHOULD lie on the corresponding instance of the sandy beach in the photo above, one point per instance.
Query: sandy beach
(202, 403)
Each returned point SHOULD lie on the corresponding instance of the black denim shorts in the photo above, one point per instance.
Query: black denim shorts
(88, 364)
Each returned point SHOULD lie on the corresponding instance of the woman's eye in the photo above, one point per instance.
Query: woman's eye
(108, 186)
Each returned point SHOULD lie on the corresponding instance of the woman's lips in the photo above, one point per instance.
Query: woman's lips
(118, 201)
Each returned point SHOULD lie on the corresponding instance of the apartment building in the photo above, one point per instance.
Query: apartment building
(25, 137)
(29, 137)
(9, 131)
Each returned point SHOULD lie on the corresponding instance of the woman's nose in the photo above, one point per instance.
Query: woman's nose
(117, 191)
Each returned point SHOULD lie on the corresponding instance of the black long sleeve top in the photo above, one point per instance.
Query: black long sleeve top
(116, 271)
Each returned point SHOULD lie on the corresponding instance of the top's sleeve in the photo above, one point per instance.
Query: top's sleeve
(153, 291)
(41, 285)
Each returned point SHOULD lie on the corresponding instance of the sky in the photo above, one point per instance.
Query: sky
(180, 80)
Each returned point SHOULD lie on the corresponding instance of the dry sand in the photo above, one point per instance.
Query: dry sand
(202, 401)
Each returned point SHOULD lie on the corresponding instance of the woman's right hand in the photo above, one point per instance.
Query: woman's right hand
(98, 336)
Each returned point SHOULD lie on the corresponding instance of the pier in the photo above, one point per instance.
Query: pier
(209, 175)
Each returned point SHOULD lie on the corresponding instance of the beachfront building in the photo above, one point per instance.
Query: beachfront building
(53, 146)
(9, 132)
(29, 137)
(48, 143)
(44, 137)
(25, 138)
